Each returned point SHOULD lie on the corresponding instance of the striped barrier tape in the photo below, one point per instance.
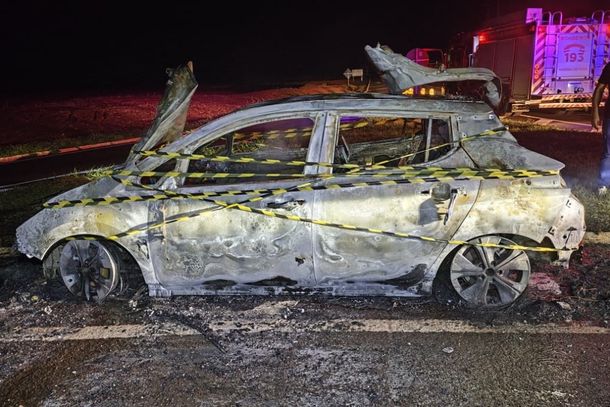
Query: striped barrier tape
(165, 195)
(303, 131)
(407, 172)
(343, 226)
(249, 160)
(245, 160)
(417, 175)
(219, 205)
(240, 206)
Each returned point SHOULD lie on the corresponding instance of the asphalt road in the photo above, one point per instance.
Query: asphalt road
(281, 354)
(48, 166)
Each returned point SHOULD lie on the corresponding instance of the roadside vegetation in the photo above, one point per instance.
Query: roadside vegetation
(55, 145)
(597, 209)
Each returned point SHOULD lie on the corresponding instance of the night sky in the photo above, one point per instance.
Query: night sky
(88, 45)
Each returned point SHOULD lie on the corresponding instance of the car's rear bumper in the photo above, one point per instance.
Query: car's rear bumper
(568, 230)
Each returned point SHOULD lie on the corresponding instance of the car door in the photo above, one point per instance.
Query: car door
(216, 243)
(421, 208)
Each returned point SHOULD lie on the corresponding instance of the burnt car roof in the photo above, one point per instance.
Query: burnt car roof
(354, 96)
(346, 101)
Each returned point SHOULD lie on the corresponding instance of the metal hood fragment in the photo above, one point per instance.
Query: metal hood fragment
(172, 111)
(400, 73)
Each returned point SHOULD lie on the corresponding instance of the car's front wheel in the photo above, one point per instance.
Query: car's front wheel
(486, 275)
(89, 268)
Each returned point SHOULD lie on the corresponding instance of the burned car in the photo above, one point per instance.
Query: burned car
(349, 194)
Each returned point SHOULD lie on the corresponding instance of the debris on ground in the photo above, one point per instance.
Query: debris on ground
(544, 284)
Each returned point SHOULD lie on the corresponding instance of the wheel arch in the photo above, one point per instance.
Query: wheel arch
(524, 240)
(48, 262)
(444, 290)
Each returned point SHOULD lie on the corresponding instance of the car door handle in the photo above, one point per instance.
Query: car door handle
(445, 204)
(289, 204)
(454, 194)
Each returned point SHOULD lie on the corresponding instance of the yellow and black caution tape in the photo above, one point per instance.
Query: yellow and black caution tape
(166, 195)
(300, 131)
(244, 160)
(306, 131)
(240, 206)
(296, 218)
(274, 134)
(403, 178)
(406, 172)
(224, 205)
(418, 174)
(297, 163)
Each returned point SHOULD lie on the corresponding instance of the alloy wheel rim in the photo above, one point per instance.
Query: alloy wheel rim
(88, 268)
(489, 276)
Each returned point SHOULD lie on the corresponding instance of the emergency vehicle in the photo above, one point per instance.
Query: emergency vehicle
(544, 59)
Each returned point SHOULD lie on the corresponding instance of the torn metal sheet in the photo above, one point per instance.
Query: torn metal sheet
(400, 73)
(168, 124)
(195, 246)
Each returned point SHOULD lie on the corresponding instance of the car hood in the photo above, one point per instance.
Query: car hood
(172, 110)
(400, 73)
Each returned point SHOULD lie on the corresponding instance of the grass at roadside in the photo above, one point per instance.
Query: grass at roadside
(97, 173)
(519, 126)
(54, 145)
(597, 209)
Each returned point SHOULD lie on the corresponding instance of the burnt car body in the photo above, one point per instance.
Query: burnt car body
(183, 244)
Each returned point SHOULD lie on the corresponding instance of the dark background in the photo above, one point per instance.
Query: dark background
(95, 45)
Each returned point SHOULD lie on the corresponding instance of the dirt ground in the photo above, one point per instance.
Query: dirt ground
(76, 116)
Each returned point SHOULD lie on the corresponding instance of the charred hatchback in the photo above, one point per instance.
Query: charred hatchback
(351, 194)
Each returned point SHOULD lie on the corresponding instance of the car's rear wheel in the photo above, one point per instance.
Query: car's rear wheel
(89, 268)
(489, 276)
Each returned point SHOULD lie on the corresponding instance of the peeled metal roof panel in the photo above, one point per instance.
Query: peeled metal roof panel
(400, 73)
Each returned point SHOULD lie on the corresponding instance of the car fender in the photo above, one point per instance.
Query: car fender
(515, 207)
(48, 228)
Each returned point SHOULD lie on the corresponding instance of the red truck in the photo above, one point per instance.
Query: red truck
(544, 59)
